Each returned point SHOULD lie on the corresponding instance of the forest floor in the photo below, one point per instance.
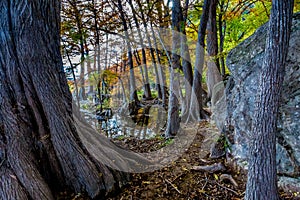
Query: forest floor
(179, 180)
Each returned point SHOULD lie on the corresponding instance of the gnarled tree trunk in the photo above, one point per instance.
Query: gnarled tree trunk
(40, 150)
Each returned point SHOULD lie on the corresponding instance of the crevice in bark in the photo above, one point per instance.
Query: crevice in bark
(19, 156)
(40, 148)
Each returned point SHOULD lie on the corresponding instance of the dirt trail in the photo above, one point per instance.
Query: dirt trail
(179, 180)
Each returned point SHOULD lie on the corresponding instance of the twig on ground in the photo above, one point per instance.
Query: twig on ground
(174, 186)
(217, 167)
(178, 176)
(229, 178)
(205, 182)
(227, 188)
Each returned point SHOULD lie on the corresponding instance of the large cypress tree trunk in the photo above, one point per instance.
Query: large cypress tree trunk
(262, 179)
(40, 150)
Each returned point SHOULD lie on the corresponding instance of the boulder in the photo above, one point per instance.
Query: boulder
(245, 62)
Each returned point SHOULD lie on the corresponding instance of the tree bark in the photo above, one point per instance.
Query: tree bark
(40, 150)
(186, 66)
(196, 112)
(152, 51)
(78, 21)
(262, 177)
(161, 71)
(89, 68)
(222, 31)
(147, 91)
(173, 122)
(133, 93)
(213, 75)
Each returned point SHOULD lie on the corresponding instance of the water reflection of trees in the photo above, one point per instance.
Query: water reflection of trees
(146, 122)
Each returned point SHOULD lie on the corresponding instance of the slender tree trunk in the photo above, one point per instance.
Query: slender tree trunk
(138, 62)
(40, 150)
(196, 112)
(97, 38)
(163, 24)
(99, 59)
(133, 92)
(74, 78)
(213, 75)
(222, 32)
(79, 25)
(147, 91)
(262, 173)
(161, 73)
(173, 107)
(152, 51)
(95, 59)
(106, 52)
(186, 66)
(89, 67)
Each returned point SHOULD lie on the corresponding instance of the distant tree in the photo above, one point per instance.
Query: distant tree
(133, 93)
(40, 150)
(95, 27)
(262, 178)
(173, 106)
(159, 21)
(143, 16)
(161, 72)
(147, 91)
(75, 30)
(223, 5)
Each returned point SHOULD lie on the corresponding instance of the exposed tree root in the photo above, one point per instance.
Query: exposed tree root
(217, 167)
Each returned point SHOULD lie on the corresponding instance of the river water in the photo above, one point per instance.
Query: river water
(148, 122)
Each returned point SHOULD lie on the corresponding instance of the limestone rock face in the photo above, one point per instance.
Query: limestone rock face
(244, 63)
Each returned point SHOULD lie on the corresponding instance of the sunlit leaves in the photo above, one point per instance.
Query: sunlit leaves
(242, 19)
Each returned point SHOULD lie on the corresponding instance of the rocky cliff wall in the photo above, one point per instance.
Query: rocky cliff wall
(244, 63)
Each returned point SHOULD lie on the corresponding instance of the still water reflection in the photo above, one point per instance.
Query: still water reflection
(148, 122)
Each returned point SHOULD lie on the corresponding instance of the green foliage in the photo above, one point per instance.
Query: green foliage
(296, 6)
(154, 93)
(120, 137)
(169, 141)
(140, 94)
(166, 142)
(109, 77)
(87, 106)
(242, 22)
(94, 78)
(240, 18)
